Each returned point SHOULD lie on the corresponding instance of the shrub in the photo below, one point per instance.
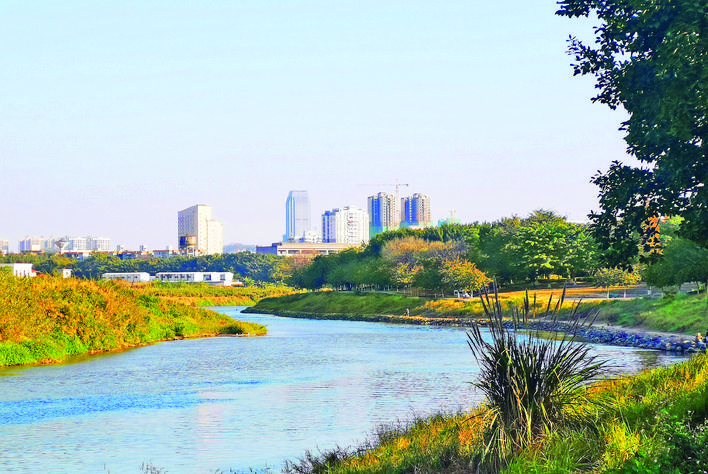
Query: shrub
(531, 383)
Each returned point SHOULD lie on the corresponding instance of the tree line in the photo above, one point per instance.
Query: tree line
(466, 257)
(250, 267)
(460, 256)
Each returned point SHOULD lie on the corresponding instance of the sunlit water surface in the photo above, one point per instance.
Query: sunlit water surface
(232, 404)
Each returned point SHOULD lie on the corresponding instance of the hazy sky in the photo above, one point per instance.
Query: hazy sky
(116, 115)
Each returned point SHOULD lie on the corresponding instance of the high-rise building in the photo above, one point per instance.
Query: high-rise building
(347, 225)
(78, 244)
(198, 233)
(65, 244)
(416, 211)
(297, 217)
(31, 245)
(99, 244)
(383, 213)
(4, 246)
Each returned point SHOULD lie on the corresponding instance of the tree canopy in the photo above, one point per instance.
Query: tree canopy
(650, 57)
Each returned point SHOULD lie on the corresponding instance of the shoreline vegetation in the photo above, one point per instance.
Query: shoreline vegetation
(203, 294)
(48, 320)
(669, 323)
(652, 422)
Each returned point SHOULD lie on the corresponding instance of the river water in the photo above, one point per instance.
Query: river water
(239, 404)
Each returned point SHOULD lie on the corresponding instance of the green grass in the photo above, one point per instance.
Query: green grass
(203, 294)
(687, 314)
(342, 303)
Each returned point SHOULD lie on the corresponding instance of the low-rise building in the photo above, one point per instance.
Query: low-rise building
(214, 278)
(20, 269)
(133, 277)
(303, 248)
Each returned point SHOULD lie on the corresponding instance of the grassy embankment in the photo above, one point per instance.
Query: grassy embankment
(654, 422)
(203, 294)
(45, 320)
(686, 314)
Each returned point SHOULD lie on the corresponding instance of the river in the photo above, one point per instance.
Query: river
(235, 404)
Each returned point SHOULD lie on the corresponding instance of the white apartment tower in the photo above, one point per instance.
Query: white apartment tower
(348, 225)
(198, 233)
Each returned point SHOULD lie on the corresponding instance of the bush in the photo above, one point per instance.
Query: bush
(530, 383)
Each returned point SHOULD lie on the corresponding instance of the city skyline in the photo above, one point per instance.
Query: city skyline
(234, 104)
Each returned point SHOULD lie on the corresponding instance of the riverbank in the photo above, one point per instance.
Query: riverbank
(651, 422)
(667, 324)
(203, 294)
(48, 320)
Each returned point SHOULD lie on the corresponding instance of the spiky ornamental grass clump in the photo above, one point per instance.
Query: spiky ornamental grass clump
(532, 382)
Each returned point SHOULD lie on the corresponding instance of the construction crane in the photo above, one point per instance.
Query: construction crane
(397, 202)
(396, 184)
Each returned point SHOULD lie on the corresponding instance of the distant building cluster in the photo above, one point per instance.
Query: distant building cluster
(66, 244)
(347, 226)
(198, 233)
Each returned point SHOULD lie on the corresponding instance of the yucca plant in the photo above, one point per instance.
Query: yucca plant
(531, 380)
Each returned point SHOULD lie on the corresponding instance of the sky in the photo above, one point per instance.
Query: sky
(116, 115)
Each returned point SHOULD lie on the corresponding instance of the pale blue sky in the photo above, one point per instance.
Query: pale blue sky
(115, 115)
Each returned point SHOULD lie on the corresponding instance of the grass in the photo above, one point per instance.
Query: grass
(48, 319)
(342, 303)
(687, 314)
(203, 294)
(680, 313)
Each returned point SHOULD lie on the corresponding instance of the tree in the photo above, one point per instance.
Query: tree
(683, 261)
(463, 275)
(553, 247)
(651, 58)
(607, 277)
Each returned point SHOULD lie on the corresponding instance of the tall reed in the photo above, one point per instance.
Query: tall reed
(531, 382)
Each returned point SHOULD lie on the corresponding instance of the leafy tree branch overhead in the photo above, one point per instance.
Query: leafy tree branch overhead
(650, 57)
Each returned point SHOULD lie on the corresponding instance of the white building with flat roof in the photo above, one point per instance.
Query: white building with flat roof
(347, 225)
(20, 269)
(214, 278)
(302, 248)
(133, 277)
(198, 233)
